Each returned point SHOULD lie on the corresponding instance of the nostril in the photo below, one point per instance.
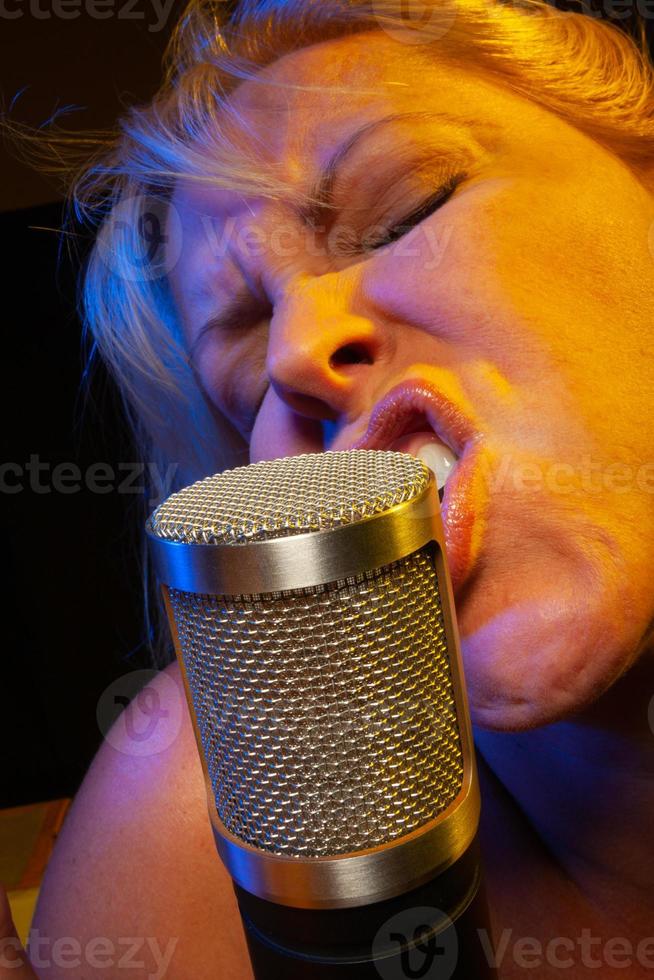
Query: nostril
(350, 354)
(307, 406)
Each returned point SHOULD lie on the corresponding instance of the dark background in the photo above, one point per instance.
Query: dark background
(72, 597)
(71, 604)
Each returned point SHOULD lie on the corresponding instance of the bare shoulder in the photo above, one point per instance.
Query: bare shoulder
(136, 858)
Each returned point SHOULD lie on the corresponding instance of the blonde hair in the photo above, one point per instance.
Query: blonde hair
(584, 69)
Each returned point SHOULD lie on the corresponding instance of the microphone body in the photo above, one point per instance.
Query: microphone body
(438, 931)
(313, 620)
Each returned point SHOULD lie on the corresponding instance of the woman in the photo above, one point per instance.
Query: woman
(335, 201)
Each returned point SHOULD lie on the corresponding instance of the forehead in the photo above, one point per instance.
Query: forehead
(325, 85)
(288, 120)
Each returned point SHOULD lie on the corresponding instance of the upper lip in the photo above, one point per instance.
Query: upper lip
(408, 404)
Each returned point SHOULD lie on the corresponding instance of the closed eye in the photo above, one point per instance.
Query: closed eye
(424, 210)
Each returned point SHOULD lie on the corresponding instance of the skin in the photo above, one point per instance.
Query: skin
(533, 320)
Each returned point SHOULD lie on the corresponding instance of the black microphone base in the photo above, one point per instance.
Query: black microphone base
(439, 931)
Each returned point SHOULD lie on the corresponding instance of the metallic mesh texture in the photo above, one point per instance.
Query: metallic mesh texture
(326, 715)
(276, 498)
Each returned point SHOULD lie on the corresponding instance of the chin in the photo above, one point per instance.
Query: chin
(545, 626)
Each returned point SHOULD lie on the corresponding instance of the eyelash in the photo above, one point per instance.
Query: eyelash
(424, 210)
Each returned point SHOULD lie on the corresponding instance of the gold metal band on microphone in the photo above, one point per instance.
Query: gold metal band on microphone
(361, 878)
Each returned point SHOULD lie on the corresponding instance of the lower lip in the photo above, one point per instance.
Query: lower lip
(462, 509)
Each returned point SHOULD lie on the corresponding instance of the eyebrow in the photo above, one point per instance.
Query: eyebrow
(244, 308)
(322, 193)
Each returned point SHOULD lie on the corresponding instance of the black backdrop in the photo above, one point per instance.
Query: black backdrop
(72, 598)
(71, 604)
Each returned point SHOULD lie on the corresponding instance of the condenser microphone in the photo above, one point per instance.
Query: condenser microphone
(313, 620)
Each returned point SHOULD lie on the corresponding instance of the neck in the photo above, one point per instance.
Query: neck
(586, 787)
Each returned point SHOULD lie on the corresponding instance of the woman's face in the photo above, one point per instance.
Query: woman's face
(491, 261)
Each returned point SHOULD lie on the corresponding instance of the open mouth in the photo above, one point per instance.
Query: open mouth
(417, 418)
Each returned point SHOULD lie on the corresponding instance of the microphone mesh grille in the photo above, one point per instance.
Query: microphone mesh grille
(280, 497)
(326, 715)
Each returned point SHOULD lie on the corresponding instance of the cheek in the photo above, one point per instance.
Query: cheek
(233, 376)
(457, 274)
(549, 655)
(534, 276)
(560, 597)
(511, 251)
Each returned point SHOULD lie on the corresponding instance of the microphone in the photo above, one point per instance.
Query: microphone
(312, 615)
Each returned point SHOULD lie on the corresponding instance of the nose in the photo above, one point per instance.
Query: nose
(321, 351)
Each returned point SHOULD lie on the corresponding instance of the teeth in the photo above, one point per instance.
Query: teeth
(440, 460)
